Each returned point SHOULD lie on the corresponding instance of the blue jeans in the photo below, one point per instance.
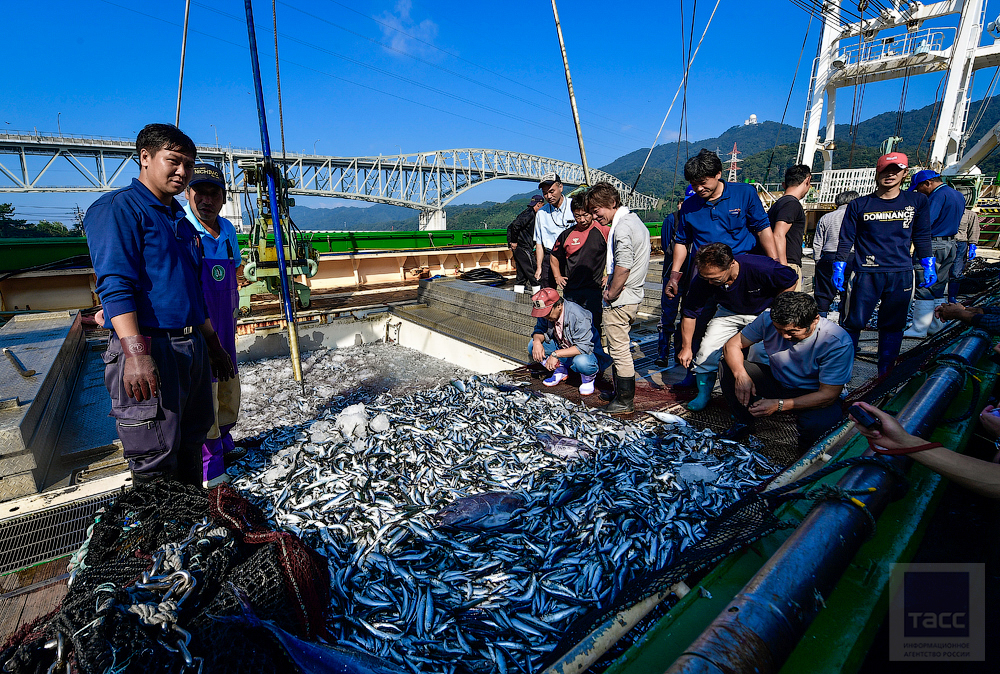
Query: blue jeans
(585, 363)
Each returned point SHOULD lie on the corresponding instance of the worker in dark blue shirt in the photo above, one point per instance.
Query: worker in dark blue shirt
(946, 206)
(881, 227)
(743, 287)
(163, 349)
(719, 212)
(668, 305)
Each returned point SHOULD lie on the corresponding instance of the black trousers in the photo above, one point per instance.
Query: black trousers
(590, 299)
(812, 424)
(524, 261)
(823, 289)
(547, 280)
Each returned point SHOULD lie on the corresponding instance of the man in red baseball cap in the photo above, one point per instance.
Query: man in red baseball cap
(565, 339)
(881, 228)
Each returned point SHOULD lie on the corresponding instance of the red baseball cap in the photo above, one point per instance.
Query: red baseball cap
(886, 160)
(543, 301)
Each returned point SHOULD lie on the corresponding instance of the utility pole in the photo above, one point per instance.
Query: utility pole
(180, 83)
(572, 96)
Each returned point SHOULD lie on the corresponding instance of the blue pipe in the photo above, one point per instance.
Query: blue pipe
(763, 624)
(279, 243)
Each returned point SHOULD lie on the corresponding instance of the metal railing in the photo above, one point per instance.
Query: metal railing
(923, 41)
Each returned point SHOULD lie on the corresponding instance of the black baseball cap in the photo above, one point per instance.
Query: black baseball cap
(207, 173)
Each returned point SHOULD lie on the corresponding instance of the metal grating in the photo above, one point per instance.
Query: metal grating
(48, 534)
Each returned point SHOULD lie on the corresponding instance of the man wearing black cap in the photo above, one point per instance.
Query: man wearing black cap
(206, 194)
(521, 241)
(163, 349)
(550, 221)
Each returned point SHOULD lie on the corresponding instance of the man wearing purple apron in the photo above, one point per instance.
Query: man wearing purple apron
(206, 193)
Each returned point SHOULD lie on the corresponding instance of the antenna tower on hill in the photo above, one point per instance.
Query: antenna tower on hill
(732, 164)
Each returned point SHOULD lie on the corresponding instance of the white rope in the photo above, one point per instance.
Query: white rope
(676, 94)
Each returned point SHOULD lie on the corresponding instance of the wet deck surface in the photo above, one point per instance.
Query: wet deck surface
(30, 593)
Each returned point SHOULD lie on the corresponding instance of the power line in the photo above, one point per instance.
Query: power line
(413, 82)
(357, 84)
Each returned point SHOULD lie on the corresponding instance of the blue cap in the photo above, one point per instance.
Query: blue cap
(207, 173)
(689, 192)
(921, 176)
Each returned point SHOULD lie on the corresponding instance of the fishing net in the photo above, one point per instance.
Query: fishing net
(157, 570)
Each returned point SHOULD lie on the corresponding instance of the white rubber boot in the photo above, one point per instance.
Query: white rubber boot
(923, 314)
(937, 325)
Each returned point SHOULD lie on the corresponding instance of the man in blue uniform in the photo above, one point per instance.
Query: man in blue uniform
(206, 194)
(669, 305)
(881, 227)
(163, 348)
(719, 212)
(946, 205)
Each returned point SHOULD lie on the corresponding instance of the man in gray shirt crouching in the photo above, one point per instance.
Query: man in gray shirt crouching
(810, 358)
(565, 331)
(627, 264)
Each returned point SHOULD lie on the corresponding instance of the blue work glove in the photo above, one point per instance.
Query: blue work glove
(838, 274)
(930, 274)
(972, 251)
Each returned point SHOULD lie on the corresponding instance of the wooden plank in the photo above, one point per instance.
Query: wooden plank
(23, 608)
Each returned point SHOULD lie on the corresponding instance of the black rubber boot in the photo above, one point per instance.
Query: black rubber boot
(625, 395)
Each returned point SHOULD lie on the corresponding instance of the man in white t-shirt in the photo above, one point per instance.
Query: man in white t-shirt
(550, 221)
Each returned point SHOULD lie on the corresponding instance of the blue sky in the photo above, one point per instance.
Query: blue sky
(372, 77)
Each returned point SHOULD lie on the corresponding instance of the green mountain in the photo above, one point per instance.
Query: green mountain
(760, 158)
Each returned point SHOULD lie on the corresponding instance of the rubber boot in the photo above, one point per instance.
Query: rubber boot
(888, 350)
(558, 375)
(587, 384)
(923, 314)
(706, 383)
(624, 396)
(937, 325)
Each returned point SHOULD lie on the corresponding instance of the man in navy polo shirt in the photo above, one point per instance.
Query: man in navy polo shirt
(719, 212)
(946, 206)
(743, 286)
(881, 227)
(163, 349)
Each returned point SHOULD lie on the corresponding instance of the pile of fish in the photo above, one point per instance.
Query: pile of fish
(468, 525)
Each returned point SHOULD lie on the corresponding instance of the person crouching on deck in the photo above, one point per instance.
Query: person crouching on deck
(565, 331)
(810, 361)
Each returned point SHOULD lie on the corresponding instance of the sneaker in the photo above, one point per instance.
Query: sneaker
(557, 376)
(587, 384)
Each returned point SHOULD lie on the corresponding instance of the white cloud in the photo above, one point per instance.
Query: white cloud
(404, 33)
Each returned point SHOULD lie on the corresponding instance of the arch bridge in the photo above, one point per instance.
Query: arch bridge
(427, 181)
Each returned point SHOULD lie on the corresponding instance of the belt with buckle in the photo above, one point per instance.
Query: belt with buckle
(167, 332)
(942, 238)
